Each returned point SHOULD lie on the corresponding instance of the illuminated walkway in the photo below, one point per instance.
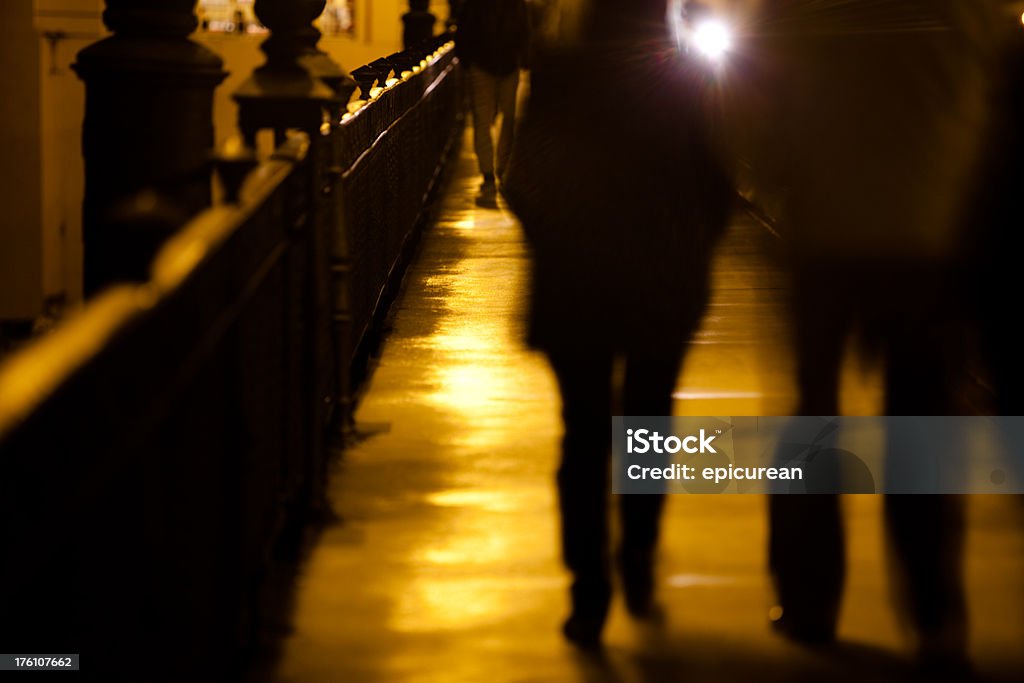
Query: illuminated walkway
(444, 566)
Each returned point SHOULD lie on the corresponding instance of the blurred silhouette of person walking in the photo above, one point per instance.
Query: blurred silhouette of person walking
(881, 111)
(492, 40)
(995, 219)
(621, 199)
(417, 24)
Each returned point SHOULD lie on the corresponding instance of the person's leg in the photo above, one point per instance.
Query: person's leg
(806, 545)
(647, 391)
(484, 89)
(926, 532)
(508, 88)
(583, 483)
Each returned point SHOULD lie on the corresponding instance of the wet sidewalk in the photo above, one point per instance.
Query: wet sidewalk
(444, 566)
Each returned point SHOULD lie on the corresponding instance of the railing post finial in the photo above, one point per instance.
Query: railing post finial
(298, 80)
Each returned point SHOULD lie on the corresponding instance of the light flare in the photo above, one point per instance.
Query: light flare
(713, 39)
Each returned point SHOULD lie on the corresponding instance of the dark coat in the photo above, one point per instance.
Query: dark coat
(621, 198)
(493, 35)
(995, 221)
(877, 121)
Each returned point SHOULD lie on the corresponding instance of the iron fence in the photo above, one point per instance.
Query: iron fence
(162, 449)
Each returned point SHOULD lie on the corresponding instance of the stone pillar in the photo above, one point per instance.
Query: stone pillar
(148, 125)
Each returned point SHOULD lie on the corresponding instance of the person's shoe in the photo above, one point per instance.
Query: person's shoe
(651, 613)
(488, 184)
(943, 654)
(583, 631)
(805, 631)
(637, 572)
(590, 602)
(488, 195)
(945, 666)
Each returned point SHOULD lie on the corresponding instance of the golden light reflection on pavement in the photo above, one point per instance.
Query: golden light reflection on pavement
(445, 566)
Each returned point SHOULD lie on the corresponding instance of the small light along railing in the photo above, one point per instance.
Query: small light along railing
(374, 83)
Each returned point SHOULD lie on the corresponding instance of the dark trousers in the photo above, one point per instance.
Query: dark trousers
(908, 317)
(588, 398)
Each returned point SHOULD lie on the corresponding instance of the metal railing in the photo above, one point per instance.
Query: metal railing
(383, 186)
(159, 449)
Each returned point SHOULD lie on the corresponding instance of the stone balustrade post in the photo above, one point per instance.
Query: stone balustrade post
(299, 86)
(148, 124)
